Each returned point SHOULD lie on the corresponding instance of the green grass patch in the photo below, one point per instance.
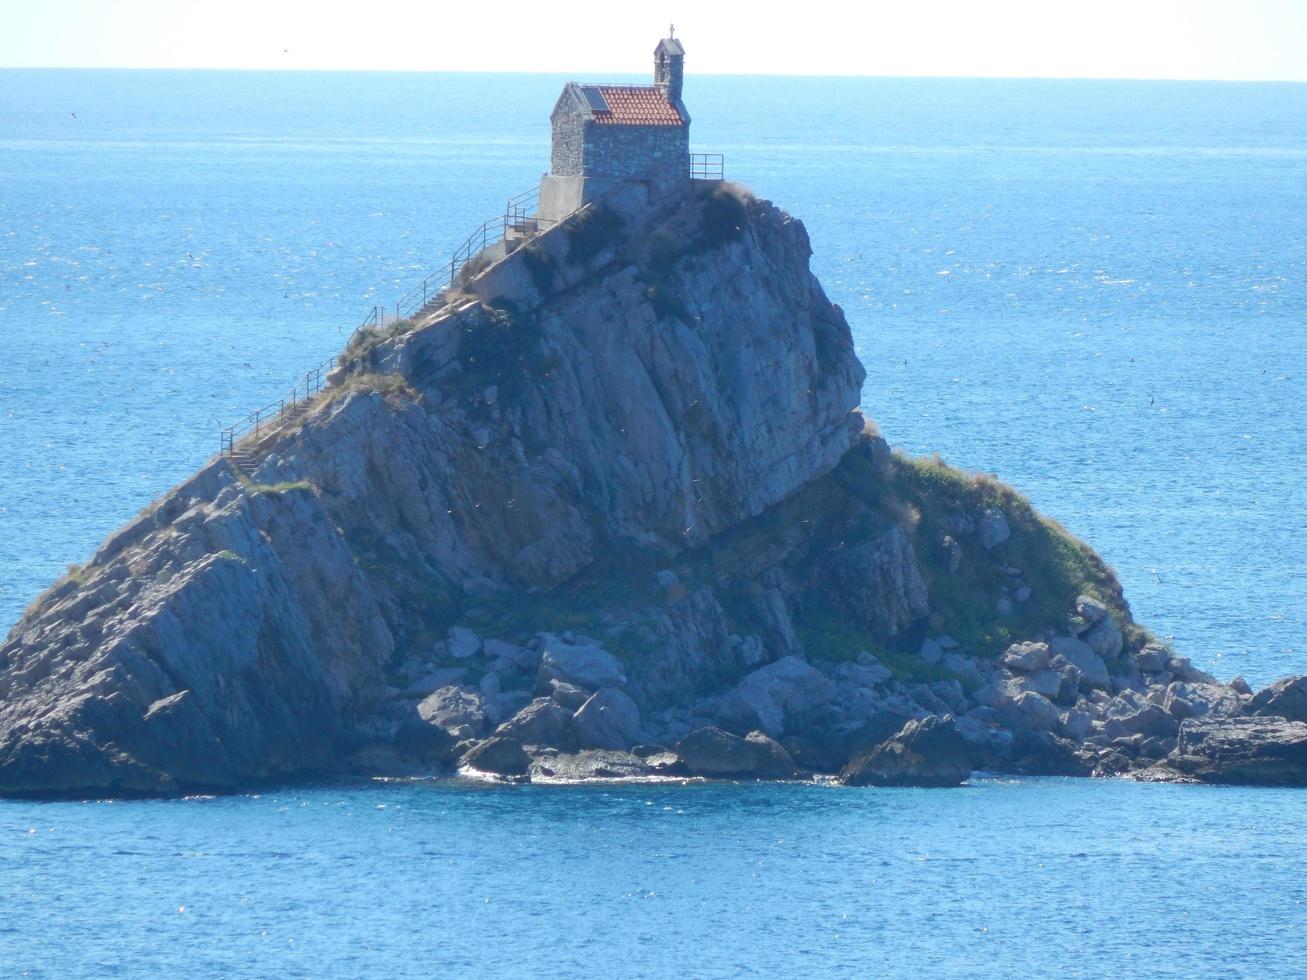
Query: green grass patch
(387, 383)
(274, 489)
(1055, 564)
(826, 635)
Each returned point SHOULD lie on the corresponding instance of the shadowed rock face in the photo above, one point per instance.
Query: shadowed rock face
(616, 497)
(233, 633)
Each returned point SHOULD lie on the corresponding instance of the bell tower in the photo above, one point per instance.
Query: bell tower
(669, 66)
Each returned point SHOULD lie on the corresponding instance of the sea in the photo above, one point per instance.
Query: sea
(1096, 290)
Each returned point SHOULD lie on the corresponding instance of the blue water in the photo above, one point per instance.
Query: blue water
(1038, 878)
(1094, 289)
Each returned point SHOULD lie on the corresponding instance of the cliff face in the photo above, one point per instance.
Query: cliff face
(616, 496)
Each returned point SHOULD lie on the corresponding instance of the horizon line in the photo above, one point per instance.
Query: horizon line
(706, 74)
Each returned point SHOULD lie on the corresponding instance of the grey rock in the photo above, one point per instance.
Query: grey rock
(1104, 638)
(461, 711)
(586, 665)
(1184, 700)
(1093, 671)
(1075, 724)
(993, 529)
(877, 584)
(543, 722)
(1032, 712)
(964, 667)
(712, 752)
(1028, 657)
(502, 706)
(1258, 751)
(463, 643)
(869, 675)
(498, 754)
(568, 695)
(608, 720)
(1145, 719)
(1286, 698)
(1240, 686)
(1152, 658)
(1090, 609)
(1046, 754)
(925, 752)
(782, 693)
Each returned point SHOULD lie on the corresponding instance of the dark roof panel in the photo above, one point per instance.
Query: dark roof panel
(630, 105)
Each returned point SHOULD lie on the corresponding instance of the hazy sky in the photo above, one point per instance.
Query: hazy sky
(1227, 39)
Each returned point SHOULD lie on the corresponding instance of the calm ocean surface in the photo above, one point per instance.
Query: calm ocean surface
(1096, 290)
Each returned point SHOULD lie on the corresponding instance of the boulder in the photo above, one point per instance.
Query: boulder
(587, 665)
(463, 643)
(1045, 754)
(502, 706)
(568, 695)
(931, 652)
(1075, 724)
(543, 722)
(1105, 638)
(1077, 653)
(870, 675)
(1031, 712)
(1285, 698)
(927, 751)
(712, 752)
(461, 711)
(497, 754)
(1146, 718)
(1090, 609)
(1152, 658)
(416, 736)
(1027, 657)
(963, 667)
(780, 695)
(608, 720)
(1256, 751)
(1184, 700)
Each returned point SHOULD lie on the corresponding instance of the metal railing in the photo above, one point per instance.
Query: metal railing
(270, 416)
(707, 166)
(518, 222)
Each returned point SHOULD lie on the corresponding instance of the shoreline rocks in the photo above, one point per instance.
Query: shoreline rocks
(614, 513)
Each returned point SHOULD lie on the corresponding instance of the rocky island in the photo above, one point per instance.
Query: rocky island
(610, 511)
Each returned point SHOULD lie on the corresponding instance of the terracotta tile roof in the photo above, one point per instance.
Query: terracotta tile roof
(635, 105)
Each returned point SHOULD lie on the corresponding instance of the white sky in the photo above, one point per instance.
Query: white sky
(1218, 39)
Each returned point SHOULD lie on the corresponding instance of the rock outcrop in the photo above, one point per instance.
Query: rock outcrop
(612, 512)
